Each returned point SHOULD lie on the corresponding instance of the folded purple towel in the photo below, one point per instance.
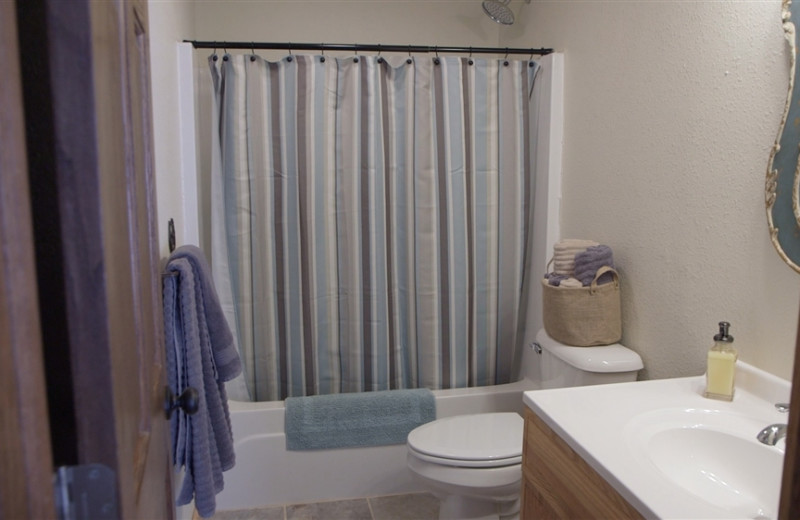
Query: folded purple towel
(588, 262)
(555, 279)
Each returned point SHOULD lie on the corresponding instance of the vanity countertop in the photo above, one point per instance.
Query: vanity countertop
(619, 429)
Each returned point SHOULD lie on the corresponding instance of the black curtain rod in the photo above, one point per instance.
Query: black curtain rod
(360, 47)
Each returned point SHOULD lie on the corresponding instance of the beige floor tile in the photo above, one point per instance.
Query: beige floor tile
(418, 506)
(337, 510)
(267, 513)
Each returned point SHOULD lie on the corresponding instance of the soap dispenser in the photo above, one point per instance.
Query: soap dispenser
(721, 365)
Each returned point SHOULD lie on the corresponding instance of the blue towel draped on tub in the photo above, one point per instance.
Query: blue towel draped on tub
(200, 353)
(357, 419)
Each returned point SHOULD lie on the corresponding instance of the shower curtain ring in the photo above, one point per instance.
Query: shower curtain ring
(408, 60)
(470, 55)
(214, 56)
(380, 60)
(225, 53)
(322, 48)
(252, 51)
(355, 58)
(505, 59)
(289, 58)
(436, 52)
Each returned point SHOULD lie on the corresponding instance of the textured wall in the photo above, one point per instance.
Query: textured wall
(671, 110)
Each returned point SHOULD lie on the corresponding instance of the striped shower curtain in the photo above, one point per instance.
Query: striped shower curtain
(371, 219)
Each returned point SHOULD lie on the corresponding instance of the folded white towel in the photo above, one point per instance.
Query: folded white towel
(564, 253)
(574, 242)
(571, 282)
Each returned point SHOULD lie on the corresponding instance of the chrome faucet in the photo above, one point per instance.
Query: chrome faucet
(774, 432)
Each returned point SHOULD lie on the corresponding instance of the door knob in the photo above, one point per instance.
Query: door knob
(188, 401)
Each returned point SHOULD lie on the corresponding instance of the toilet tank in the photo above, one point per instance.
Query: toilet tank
(563, 366)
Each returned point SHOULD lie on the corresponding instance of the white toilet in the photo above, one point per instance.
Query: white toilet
(473, 463)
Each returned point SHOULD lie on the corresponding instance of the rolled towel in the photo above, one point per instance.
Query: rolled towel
(571, 282)
(563, 269)
(564, 253)
(555, 279)
(574, 243)
(588, 262)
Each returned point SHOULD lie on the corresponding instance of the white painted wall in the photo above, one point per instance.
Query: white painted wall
(670, 112)
(170, 22)
(418, 22)
(671, 109)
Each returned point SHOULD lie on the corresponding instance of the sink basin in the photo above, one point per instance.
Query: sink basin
(708, 454)
(669, 451)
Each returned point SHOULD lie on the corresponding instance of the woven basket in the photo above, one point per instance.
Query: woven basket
(584, 316)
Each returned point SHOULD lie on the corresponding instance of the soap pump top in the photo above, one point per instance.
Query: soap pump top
(723, 339)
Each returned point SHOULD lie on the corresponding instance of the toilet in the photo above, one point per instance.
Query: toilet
(473, 463)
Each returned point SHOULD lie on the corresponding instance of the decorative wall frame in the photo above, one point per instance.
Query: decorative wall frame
(783, 170)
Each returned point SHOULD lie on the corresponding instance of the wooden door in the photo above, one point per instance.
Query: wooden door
(25, 460)
(85, 73)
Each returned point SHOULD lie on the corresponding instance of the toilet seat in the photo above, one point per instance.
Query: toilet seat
(488, 440)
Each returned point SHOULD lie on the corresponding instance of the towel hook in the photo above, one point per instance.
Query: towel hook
(188, 401)
(171, 235)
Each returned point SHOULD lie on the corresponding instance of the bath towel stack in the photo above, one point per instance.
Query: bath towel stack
(201, 354)
(576, 262)
(564, 254)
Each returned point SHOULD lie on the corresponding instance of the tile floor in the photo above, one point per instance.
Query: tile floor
(417, 506)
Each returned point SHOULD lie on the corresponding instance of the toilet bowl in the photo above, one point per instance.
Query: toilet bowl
(473, 463)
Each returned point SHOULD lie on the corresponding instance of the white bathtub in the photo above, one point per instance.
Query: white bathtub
(266, 474)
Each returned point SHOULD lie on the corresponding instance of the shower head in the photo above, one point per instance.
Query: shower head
(498, 11)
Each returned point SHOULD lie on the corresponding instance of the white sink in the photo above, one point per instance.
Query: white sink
(705, 453)
(671, 452)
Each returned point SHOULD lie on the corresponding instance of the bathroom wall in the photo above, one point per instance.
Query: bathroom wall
(170, 22)
(671, 109)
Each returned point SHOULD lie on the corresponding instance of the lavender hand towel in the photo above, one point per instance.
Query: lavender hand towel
(588, 262)
(199, 348)
(226, 357)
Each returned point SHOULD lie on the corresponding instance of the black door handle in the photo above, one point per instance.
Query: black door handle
(188, 401)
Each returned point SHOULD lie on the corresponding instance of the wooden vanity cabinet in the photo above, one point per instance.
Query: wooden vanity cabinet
(557, 483)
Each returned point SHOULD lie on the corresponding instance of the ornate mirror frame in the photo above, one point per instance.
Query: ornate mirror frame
(783, 216)
(783, 169)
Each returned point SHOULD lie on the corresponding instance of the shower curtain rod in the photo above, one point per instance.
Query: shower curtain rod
(361, 47)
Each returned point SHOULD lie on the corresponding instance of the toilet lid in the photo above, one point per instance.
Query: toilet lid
(487, 439)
